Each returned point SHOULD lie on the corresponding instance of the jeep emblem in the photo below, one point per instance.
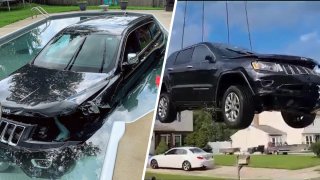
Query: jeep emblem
(5, 111)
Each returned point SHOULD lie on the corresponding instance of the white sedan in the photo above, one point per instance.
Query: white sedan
(183, 157)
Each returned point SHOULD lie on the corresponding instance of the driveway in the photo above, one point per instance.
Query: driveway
(230, 172)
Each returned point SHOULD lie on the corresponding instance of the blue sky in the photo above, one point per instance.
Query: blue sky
(276, 27)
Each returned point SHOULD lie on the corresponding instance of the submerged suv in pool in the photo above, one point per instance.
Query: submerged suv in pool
(234, 84)
(62, 97)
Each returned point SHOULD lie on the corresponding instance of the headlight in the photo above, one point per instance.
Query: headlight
(266, 66)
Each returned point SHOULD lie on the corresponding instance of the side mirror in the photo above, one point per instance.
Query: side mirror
(132, 59)
(210, 59)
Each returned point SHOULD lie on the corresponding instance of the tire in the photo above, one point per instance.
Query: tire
(237, 107)
(166, 112)
(186, 166)
(154, 164)
(297, 120)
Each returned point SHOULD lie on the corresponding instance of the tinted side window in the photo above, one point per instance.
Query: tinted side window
(144, 36)
(184, 56)
(173, 151)
(181, 151)
(154, 29)
(200, 53)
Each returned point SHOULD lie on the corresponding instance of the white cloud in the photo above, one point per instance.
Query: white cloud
(307, 45)
(309, 36)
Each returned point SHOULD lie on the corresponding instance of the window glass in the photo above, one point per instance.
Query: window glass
(177, 140)
(144, 36)
(81, 52)
(97, 51)
(60, 51)
(181, 151)
(171, 152)
(197, 150)
(154, 29)
(200, 53)
(184, 56)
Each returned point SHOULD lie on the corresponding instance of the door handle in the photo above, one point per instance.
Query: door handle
(189, 66)
(170, 69)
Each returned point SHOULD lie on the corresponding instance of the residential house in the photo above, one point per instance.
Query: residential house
(311, 133)
(270, 127)
(172, 133)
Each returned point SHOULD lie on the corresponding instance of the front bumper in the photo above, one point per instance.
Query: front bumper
(290, 92)
(15, 136)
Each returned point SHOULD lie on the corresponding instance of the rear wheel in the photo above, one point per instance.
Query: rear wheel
(298, 120)
(237, 107)
(166, 111)
(186, 166)
(154, 164)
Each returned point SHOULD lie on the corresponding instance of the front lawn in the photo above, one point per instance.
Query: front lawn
(160, 176)
(18, 12)
(291, 162)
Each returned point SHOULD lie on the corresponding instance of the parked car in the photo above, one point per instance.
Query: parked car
(63, 96)
(234, 83)
(183, 157)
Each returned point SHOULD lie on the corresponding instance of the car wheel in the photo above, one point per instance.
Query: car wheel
(154, 164)
(237, 107)
(166, 112)
(186, 166)
(297, 120)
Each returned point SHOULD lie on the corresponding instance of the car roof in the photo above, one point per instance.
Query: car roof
(111, 23)
(186, 148)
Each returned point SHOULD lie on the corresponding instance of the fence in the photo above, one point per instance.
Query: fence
(150, 3)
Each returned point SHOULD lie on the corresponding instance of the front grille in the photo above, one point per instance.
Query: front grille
(296, 70)
(10, 133)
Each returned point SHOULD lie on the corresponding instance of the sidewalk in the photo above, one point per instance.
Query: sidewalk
(230, 172)
(163, 16)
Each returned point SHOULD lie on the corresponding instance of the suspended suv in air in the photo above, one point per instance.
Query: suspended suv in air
(62, 97)
(234, 84)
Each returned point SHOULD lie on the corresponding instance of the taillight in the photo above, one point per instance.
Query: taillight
(200, 157)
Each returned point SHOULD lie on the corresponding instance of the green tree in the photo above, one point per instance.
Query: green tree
(315, 148)
(162, 147)
(206, 130)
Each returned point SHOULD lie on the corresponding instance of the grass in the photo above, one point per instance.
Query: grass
(291, 162)
(160, 176)
(19, 12)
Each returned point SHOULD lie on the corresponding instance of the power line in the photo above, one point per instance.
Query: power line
(227, 11)
(202, 21)
(249, 34)
(184, 23)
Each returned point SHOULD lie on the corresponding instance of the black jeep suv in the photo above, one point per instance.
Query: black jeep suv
(64, 95)
(234, 84)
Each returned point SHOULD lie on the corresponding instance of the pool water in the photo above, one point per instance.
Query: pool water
(138, 102)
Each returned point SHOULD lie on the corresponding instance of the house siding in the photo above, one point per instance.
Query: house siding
(250, 137)
(274, 119)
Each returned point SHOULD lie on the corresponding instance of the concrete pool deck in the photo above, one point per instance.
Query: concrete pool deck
(163, 16)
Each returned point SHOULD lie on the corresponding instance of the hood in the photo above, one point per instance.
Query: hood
(297, 60)
(47, 92)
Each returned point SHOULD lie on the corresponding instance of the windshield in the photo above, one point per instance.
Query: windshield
(80, 52)
(233, 51)
(197, 150)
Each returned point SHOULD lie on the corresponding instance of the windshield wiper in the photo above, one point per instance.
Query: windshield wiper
(104, 55)
(243, 56)
(240, 52)
(73, 59)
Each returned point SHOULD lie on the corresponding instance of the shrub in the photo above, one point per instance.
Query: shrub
(162, 147)
(315, 148)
